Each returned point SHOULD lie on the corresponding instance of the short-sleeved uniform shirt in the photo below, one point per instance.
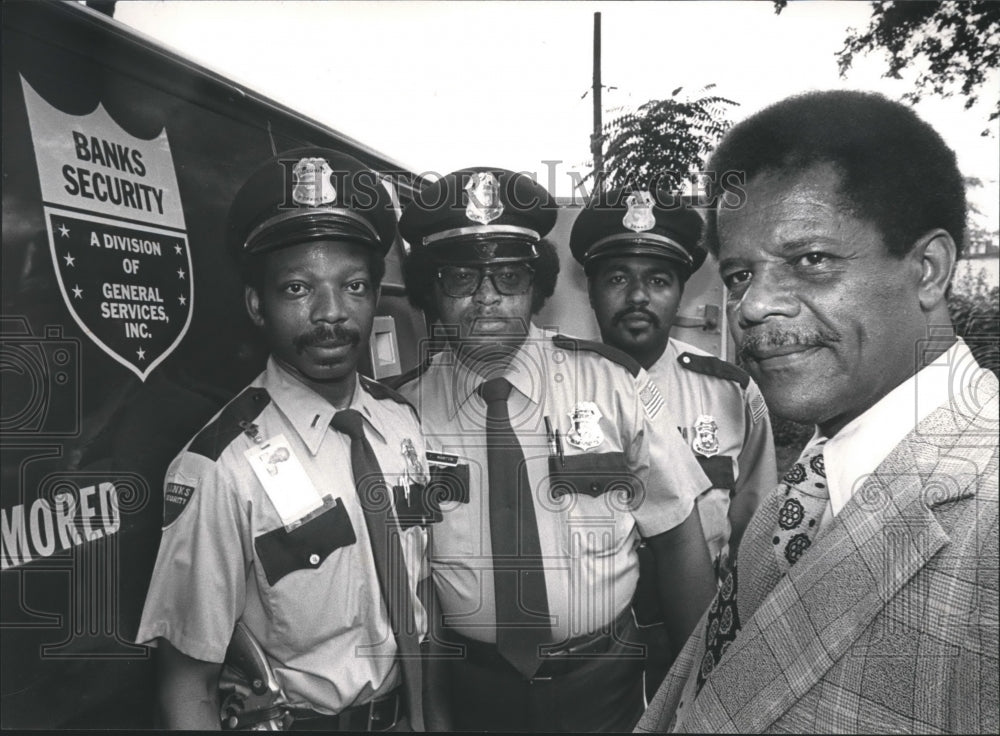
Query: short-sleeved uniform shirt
(723, 419)
(307, 588)
(589, 522)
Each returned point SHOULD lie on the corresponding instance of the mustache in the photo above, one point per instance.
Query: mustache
(755, 342)
(619, 316)
(337, 334)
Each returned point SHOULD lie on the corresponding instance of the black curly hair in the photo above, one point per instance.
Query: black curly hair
(420, 273)
(896, 170)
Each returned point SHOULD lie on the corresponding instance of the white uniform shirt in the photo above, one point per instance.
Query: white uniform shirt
(860, 447)
(308, 591)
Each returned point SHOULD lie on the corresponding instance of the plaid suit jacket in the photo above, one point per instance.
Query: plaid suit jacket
(889, 622)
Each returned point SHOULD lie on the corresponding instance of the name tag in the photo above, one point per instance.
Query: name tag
(284, 479)
(442, 459)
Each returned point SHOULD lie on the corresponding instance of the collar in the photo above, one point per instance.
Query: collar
(863, 444)
(526, 368)
(307, 412)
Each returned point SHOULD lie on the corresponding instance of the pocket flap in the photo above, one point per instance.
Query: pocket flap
(590, 474)
(306, 547)
(448, 484)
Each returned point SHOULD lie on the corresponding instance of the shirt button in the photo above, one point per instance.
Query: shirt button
(314, 559)
(594, 487)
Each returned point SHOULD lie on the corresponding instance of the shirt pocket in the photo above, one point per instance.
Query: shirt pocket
(598, 493)
(306, 547)
(449, 485)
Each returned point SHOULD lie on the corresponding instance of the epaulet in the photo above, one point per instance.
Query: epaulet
(611, 353)
(234, 419)
(709, 365)
(381, 392)
(394, 382)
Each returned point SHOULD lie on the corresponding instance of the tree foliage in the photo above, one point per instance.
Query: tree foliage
(951, 46)
(663, 142)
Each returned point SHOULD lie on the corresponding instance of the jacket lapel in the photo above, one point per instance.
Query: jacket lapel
(884, 535)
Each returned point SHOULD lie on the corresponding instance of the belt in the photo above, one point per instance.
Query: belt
(380, 714)
(556, 661)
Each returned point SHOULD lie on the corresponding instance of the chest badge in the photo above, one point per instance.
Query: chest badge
(586, 433)
(414, 468)
(706, 436)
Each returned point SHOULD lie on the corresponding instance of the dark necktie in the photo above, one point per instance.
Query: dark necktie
(522, 609)
(806, 494)
(383, 532)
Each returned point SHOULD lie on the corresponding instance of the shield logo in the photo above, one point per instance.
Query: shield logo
(116, 231)
(484, 203)
(313, 185)
(137, 313)
(586, 433)
(706, 436)
(639, 217)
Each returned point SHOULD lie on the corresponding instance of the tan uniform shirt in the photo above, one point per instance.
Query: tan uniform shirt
(722, 416)
(589, 524)
(307, 588)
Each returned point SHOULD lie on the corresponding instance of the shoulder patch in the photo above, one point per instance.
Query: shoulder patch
(175, 499)
(213, 439)
(652, 400)
(611, 353)
(381, 392)
(758, 408)
(709, 365)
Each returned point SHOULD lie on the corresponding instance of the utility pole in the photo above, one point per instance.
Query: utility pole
(596, 139)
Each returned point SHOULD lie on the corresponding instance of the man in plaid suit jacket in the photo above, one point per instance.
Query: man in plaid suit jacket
(864, 595)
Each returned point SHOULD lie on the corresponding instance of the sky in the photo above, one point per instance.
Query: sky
(439, 86)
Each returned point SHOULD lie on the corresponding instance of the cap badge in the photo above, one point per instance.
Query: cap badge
(586, 433)
(312, 185)
(484, 204)
(639, 217)
(706, 436)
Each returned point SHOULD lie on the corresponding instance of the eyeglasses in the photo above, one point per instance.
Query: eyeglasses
(509, 279)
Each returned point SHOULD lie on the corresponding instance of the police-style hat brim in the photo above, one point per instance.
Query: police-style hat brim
(515, 214)
(268, 213)
(652, 245)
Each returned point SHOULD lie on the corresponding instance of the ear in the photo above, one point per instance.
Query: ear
(590, 291)
(252, 300)
(936, 252)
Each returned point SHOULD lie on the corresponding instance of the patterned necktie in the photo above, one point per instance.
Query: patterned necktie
(522, 609)
(806, 495)
(390, 566)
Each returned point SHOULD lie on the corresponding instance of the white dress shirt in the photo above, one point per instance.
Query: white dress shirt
(859, 448)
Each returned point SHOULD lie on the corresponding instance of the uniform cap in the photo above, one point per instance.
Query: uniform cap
(620, 223)
(479, 214)
(310, 194)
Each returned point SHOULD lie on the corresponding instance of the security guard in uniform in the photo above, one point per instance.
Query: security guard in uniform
(638, 254)
(549, 467)
(288, 513)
